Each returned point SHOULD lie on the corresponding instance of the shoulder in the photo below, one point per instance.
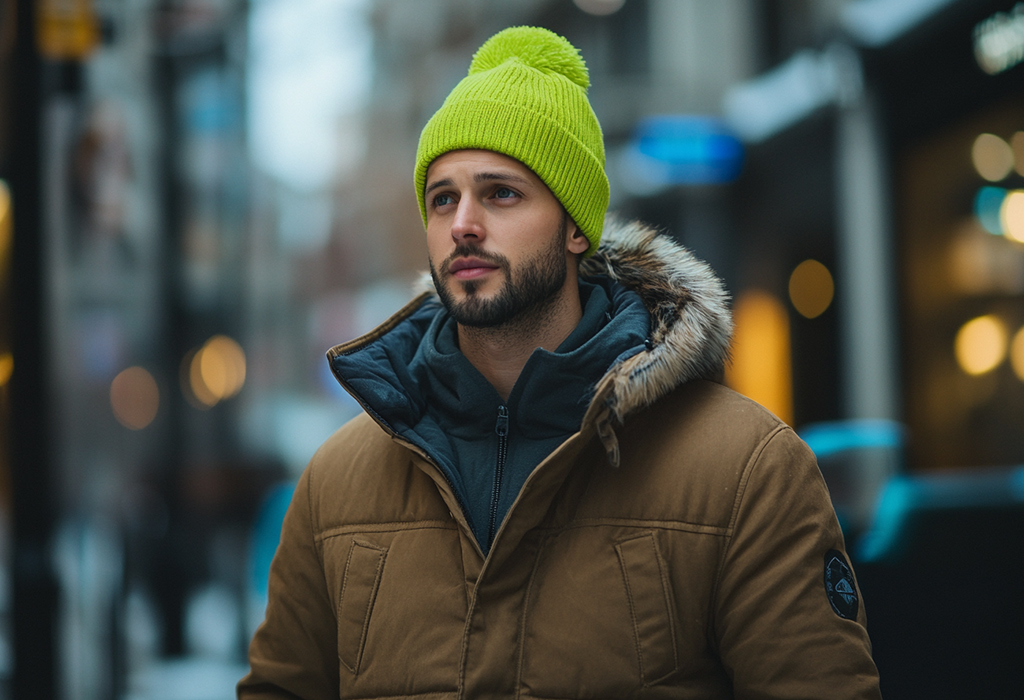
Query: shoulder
(361, 474)
(348, 447)
(734, 430)
(351, 462)
(709, 401)
(691, 453)
(713, 425)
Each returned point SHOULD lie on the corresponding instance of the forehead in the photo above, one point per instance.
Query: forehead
(477, 161)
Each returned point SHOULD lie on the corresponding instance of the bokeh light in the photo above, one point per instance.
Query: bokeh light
(981, 344)
(1017, 144)
(192, 384)
(1011, 215)
(214, 372)
(987, 206)
(6, 368)
(5, 226)
(5, 211)
(1017, 354)
(811, 288)
(992, 157)
(761, 366)
(135, 398)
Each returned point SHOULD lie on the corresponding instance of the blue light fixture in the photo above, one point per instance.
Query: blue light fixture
(685, 150)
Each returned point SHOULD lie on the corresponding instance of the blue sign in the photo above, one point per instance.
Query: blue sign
(685, 150)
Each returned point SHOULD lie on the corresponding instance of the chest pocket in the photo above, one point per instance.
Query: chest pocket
(600, 621)
(360, 581)
(650, 606)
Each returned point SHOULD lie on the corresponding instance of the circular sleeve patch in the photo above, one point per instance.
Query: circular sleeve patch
(839, 585)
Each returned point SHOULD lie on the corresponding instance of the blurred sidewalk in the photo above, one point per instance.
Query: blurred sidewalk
(186, 679)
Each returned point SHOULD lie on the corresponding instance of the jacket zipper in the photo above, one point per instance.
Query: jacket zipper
(501, 428)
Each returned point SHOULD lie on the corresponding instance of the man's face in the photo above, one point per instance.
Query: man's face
(499, 242)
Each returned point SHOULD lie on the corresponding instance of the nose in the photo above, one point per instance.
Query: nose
(468, 221)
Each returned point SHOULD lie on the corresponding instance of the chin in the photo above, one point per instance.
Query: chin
(472, 290)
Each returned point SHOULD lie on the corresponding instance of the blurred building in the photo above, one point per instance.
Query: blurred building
(199, 197)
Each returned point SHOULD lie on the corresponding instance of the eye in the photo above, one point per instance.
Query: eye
(442, 200)
(505, 193)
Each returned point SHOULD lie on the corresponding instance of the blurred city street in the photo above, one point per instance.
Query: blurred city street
(199, 197)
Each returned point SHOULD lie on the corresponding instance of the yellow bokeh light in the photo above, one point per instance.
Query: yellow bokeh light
(761, 366)
(811, 288)
(135, 398)
(216, 371)
(1017, 144)
(981, 344)
(5, 218)
(992, 157)
(6, 368)
(1011, 214)
(1017, 354)
(192, 381)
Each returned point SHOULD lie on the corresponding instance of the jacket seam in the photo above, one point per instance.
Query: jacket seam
(696, 528)
(522, 623)
(670, 607)
(741, 490)
(632, 610)
(341, 601)
(464, 652)
(755, 457)
(377, 528)
(432, 694)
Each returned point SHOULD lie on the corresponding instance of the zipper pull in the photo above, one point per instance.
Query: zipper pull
(502, 426)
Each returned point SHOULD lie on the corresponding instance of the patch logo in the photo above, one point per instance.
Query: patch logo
(839, 585)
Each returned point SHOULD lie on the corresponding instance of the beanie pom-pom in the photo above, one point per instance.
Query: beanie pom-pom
(536, 47)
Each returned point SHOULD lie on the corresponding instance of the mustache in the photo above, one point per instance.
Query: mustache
(465, 250)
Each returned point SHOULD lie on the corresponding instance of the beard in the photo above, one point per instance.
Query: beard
(529, 291)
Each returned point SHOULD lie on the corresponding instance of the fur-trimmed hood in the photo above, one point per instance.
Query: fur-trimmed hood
(691, 324)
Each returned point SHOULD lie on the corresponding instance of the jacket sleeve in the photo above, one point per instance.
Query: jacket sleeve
(778, 632)
(294, 652)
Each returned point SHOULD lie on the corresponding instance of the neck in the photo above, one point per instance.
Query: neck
(500, 352)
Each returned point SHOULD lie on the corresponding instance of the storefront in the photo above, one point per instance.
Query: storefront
(952, 99)
(935, 568)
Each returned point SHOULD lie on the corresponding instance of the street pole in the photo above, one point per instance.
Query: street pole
(34, 583)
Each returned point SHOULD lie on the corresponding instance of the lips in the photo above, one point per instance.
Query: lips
(470, 268)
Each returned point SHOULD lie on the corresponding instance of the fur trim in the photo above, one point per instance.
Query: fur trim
(691, 324)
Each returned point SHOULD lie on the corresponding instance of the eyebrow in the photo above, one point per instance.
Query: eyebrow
(512, 177)
(447, 182)
(478, 177)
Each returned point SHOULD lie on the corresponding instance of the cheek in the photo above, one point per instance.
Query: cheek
(438, 244)
(537, 234)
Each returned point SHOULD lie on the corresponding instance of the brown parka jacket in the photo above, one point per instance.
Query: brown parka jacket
(680, 545)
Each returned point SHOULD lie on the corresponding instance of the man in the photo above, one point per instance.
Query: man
(548, 496)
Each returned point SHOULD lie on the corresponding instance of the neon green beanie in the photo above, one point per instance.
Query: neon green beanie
(526, 96)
